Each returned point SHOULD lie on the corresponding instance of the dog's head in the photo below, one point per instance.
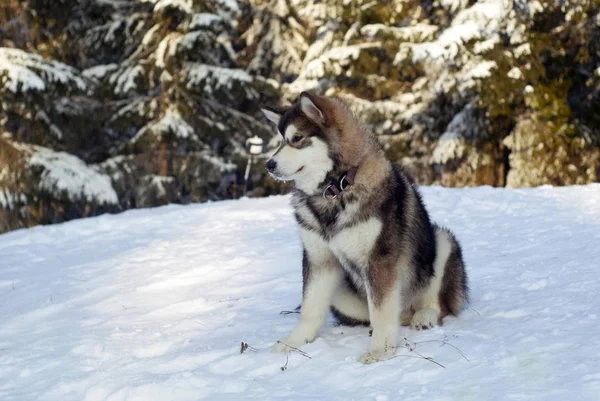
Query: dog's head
(306, 154)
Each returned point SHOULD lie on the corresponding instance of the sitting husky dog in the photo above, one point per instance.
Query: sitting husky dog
(371, 254)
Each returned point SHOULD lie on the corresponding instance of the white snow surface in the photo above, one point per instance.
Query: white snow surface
(153, 305)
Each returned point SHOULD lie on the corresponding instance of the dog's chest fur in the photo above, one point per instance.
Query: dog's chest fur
(342, 227)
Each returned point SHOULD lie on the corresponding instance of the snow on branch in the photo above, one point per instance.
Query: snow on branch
(479, 22)
(23, 72)
(171, 123)
(181, 5)
(62, 172)
(212, 78)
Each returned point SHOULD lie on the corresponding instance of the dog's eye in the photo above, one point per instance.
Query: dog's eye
(297, 138)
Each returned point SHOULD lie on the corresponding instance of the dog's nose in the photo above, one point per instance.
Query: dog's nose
(271, 165)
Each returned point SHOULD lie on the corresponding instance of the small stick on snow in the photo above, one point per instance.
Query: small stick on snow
(287, 359)
(245, 346)
(287, 312)
(287, 356)
(418, 356)
(295, 349)
(443, 342)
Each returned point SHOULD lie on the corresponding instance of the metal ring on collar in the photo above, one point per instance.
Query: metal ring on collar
(342, 187)
(325, 193)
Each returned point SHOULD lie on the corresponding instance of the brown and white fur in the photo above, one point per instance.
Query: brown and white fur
(371, 255)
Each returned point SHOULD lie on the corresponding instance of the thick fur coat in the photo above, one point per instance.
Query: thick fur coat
(371, 254)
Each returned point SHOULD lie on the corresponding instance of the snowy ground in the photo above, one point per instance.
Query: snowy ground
(153, 305)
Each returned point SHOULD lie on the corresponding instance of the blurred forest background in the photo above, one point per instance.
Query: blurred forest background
(107, 105)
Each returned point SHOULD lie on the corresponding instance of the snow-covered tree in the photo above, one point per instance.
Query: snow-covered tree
(180, 108)
(496, 92)
(138, 103)
(145, 102)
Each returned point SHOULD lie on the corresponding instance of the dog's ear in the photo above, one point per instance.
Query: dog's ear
(309, 104)
(273, 114)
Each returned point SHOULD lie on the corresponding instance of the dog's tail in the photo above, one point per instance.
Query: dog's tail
(454, 288)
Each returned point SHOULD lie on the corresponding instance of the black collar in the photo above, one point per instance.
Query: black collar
(343, 183)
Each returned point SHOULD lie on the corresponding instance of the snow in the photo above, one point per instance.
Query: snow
(522, 50)
(415, 33)
(171, 122)
(124, 79)
(515, 73)
(474, 70)
(167, 45)
(212, 77)
(159, 182)
(453, 5)
(191, 39)
(62, 172)
(99, 71)
(149, 36)
(205, 20)
(451, 144)
(481, 70)
(334, 61)
(486, 45)
(153, 305)
(182, 5)
(478, 22)
(28, 71)
(231, 5)
(223, 166)
(112, 28)
(175, 41)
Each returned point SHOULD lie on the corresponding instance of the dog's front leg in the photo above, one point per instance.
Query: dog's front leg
(383, 295)
(321, 275)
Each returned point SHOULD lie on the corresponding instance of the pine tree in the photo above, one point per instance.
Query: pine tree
(122, 104)
(447, 84)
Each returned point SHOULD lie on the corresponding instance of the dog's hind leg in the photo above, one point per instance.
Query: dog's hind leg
(447, 289)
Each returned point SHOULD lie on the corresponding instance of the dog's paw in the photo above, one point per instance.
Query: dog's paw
(376, 356)
(369, 358)
(424, 319)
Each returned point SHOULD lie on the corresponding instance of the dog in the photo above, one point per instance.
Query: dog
(371, 254)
